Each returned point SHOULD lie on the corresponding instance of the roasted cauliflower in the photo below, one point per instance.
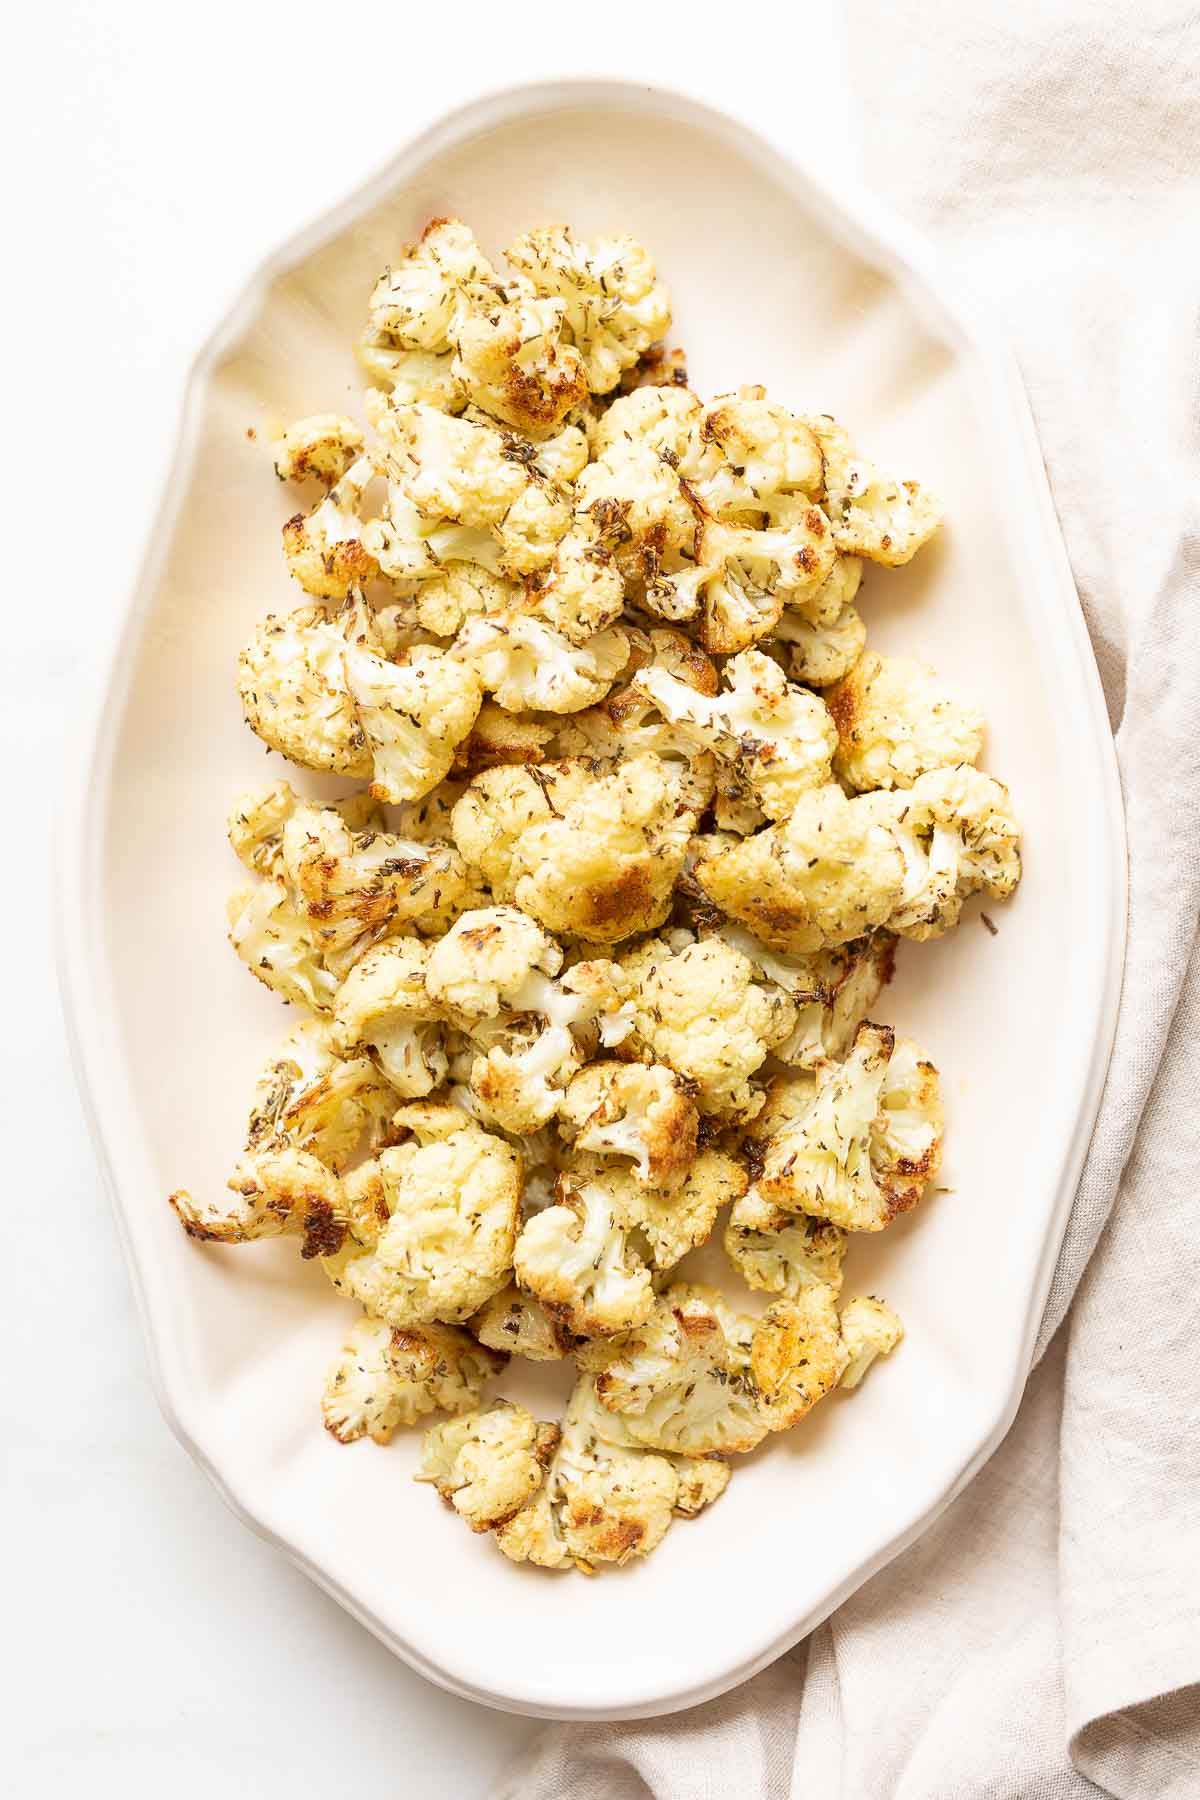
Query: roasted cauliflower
(894, 721)
(382, 1378)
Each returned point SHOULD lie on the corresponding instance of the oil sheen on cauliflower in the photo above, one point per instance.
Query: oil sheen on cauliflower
(895, 720)
(868, 1143)
(383, 1378)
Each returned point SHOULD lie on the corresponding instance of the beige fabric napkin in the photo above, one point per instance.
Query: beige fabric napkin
(1043, 1639)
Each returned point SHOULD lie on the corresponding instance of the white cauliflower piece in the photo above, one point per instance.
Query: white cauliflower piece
(700, 1011)
(702, 1479)
(280, 946)
(872, 514)
(415, 713)
(868, 1144)
(576, 1258)
(639, 1110)
(462, 591)
(957, 836)
(530, 666)
(447, 1247)
(615, 305)
(895, 721)
(501, 737)
(582, 592)
(826, 875)
(869, 1329)
(352, 886)
(311, 1095)
(488, 1465)
(777, 738)
(664, 419)
(291, 677)
(633, 500)
(382, 1378)
(514, 1322)
(832, 990)
(481, 964)
(501, 804)
(530, 1053)
(279, 1189)
(385, 1004)
(419, 302)
(748, 457)
(326, 549)
(819, 653)
(781, 1252)
(320, 448)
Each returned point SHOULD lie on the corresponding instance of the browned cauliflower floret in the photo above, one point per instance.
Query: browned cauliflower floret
(873, 515)
(280, 1189)
(602, 1501)
(419, 301)
(702, 1479)
(487, 1465)
(501, 804)
(615, 305)
(279, 945)
(447, 1246)
(869, 1142)
(529, 665)
(576, 1257)
(326, 549)
(957, 836)
(605, 867)
(743, 575)
(514, 363)
(700, 1011)
(782, 1252)
(479, 967)
(869, 1329)
(776, 738)
(895, 720)
(383, 1378)
(513, 1321)
(749, 456)
(826, 875)
(462, 591)
(385, 1004)
(502, 737)
(639, 1110)
(582, 592)
(320, 448)
(819, 651)
(415, 713)
(797, 1355)
(313, 1096)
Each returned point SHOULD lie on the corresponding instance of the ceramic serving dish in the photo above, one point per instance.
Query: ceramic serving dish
(780, 279)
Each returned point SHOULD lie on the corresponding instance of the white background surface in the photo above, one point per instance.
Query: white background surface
(153, 155)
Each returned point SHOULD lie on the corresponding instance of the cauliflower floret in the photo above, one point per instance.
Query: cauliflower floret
(602, 1500)
(562, 457)
(320, 449)
(448, 1244)
(655, 368)
(636, 504)
(577, 1259)
(869, 1329)
(742, 575)
(663, 418)
(868, 1144)
(700, 1011)
(385, 1003)
(778, 739)
(826, 875)
(487, 1465)
(702, 1479)
(682, 1380)
(256, 821)
(462, 591)
(501, 737)
(514, 1322)
(637, 1110)
(316, 1099)
(872, 514)
(606, 866)
(291, 677)
(279, 946)
(832, 990)
(325, 549)
(383, 1378)
(280, 1189)
(352, 886)
(415, 713)
(582, 592)
(819, 653)
(797, 1355)
(782, 1252)
(531, 1053)
(615, 305)
(511, 360)
(675, 1220)
(501, 804)
(530, 666)
(957, 836)
(748, 455)
(409, 375)
(895, 720)
(480, 965)
(419, 303)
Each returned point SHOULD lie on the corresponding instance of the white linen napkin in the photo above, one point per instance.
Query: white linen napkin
(1043, 1639)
